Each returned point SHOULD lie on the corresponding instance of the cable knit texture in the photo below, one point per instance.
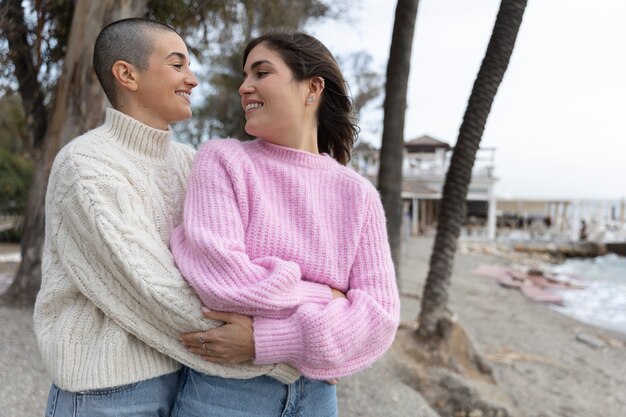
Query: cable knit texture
(112, 303)
(267, 231)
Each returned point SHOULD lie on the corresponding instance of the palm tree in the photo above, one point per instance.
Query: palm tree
(398, 68)
(434, 317)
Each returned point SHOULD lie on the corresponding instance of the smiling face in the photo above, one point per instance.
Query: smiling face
(273, 101)
(163, 89)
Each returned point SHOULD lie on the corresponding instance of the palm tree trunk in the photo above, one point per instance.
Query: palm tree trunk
(434, 315)
(391, 152)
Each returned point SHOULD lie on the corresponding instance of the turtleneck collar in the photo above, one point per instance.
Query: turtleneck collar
(294, 156)
(135, 136)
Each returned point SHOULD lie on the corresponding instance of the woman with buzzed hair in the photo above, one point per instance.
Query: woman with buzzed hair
(112, 303)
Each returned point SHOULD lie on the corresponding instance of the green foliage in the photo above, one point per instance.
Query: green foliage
(12, 123)
(16, 172)
(16, 175)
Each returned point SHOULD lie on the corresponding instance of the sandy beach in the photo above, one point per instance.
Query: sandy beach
(549, 364)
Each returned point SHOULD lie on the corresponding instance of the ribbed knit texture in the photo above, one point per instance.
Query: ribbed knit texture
(267, 231)
(112, 303)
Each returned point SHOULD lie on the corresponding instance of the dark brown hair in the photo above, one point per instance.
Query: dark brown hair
(307, 57)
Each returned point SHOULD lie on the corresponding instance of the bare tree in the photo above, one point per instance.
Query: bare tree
(366, 84)
(391, 152)
(434, 318)
(78, 106)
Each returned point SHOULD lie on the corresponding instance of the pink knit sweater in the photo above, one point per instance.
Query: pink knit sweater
(267, 231)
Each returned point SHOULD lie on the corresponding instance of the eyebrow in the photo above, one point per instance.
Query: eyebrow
(177, 54)
(258, 64)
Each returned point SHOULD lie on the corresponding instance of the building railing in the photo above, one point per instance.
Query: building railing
(433, 171)
(426, 165)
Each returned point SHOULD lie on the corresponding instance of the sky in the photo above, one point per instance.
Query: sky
(558, 120)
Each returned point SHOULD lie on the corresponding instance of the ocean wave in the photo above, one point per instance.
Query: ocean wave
(602, 302)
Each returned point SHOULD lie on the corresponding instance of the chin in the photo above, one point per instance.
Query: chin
(251, 131)
(182, 117)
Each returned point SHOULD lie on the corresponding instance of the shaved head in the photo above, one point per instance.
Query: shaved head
(129, 40)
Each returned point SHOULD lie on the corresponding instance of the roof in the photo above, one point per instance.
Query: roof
(426, 144)
(415, 186)
(410, 185)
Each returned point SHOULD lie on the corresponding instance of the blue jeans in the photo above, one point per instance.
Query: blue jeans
(150, 398)
(201, 395)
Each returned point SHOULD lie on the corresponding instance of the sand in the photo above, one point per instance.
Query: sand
(549, 364)
(541, 358)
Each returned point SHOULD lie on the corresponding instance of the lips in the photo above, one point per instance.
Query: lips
(184, 94)
(252, 105)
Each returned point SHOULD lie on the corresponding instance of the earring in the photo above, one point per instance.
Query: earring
(310, 99)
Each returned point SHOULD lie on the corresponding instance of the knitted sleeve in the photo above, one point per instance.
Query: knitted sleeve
(117, 259)
(346, 335)
(210, 250)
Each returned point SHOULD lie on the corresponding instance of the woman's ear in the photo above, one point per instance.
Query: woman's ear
(316, 86)
(125, 74)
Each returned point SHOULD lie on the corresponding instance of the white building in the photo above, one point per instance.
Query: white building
(426, 162)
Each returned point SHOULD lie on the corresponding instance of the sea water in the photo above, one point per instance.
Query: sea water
(602, 302)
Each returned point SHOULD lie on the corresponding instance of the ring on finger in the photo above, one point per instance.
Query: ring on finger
(202, 340)
(204, 346)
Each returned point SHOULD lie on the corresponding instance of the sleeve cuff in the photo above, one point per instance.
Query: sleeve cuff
(276, 341)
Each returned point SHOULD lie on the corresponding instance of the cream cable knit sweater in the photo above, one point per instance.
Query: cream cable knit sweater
(112, 303)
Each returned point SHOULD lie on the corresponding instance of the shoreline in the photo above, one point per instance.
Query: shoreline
(546, 361)
(507, 254)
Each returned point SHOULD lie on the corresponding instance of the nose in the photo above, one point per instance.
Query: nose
(191, 80)
(245, 87)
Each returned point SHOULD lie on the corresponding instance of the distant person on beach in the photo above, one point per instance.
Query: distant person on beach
(280, 230)
(582, 235)
(112, 303)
